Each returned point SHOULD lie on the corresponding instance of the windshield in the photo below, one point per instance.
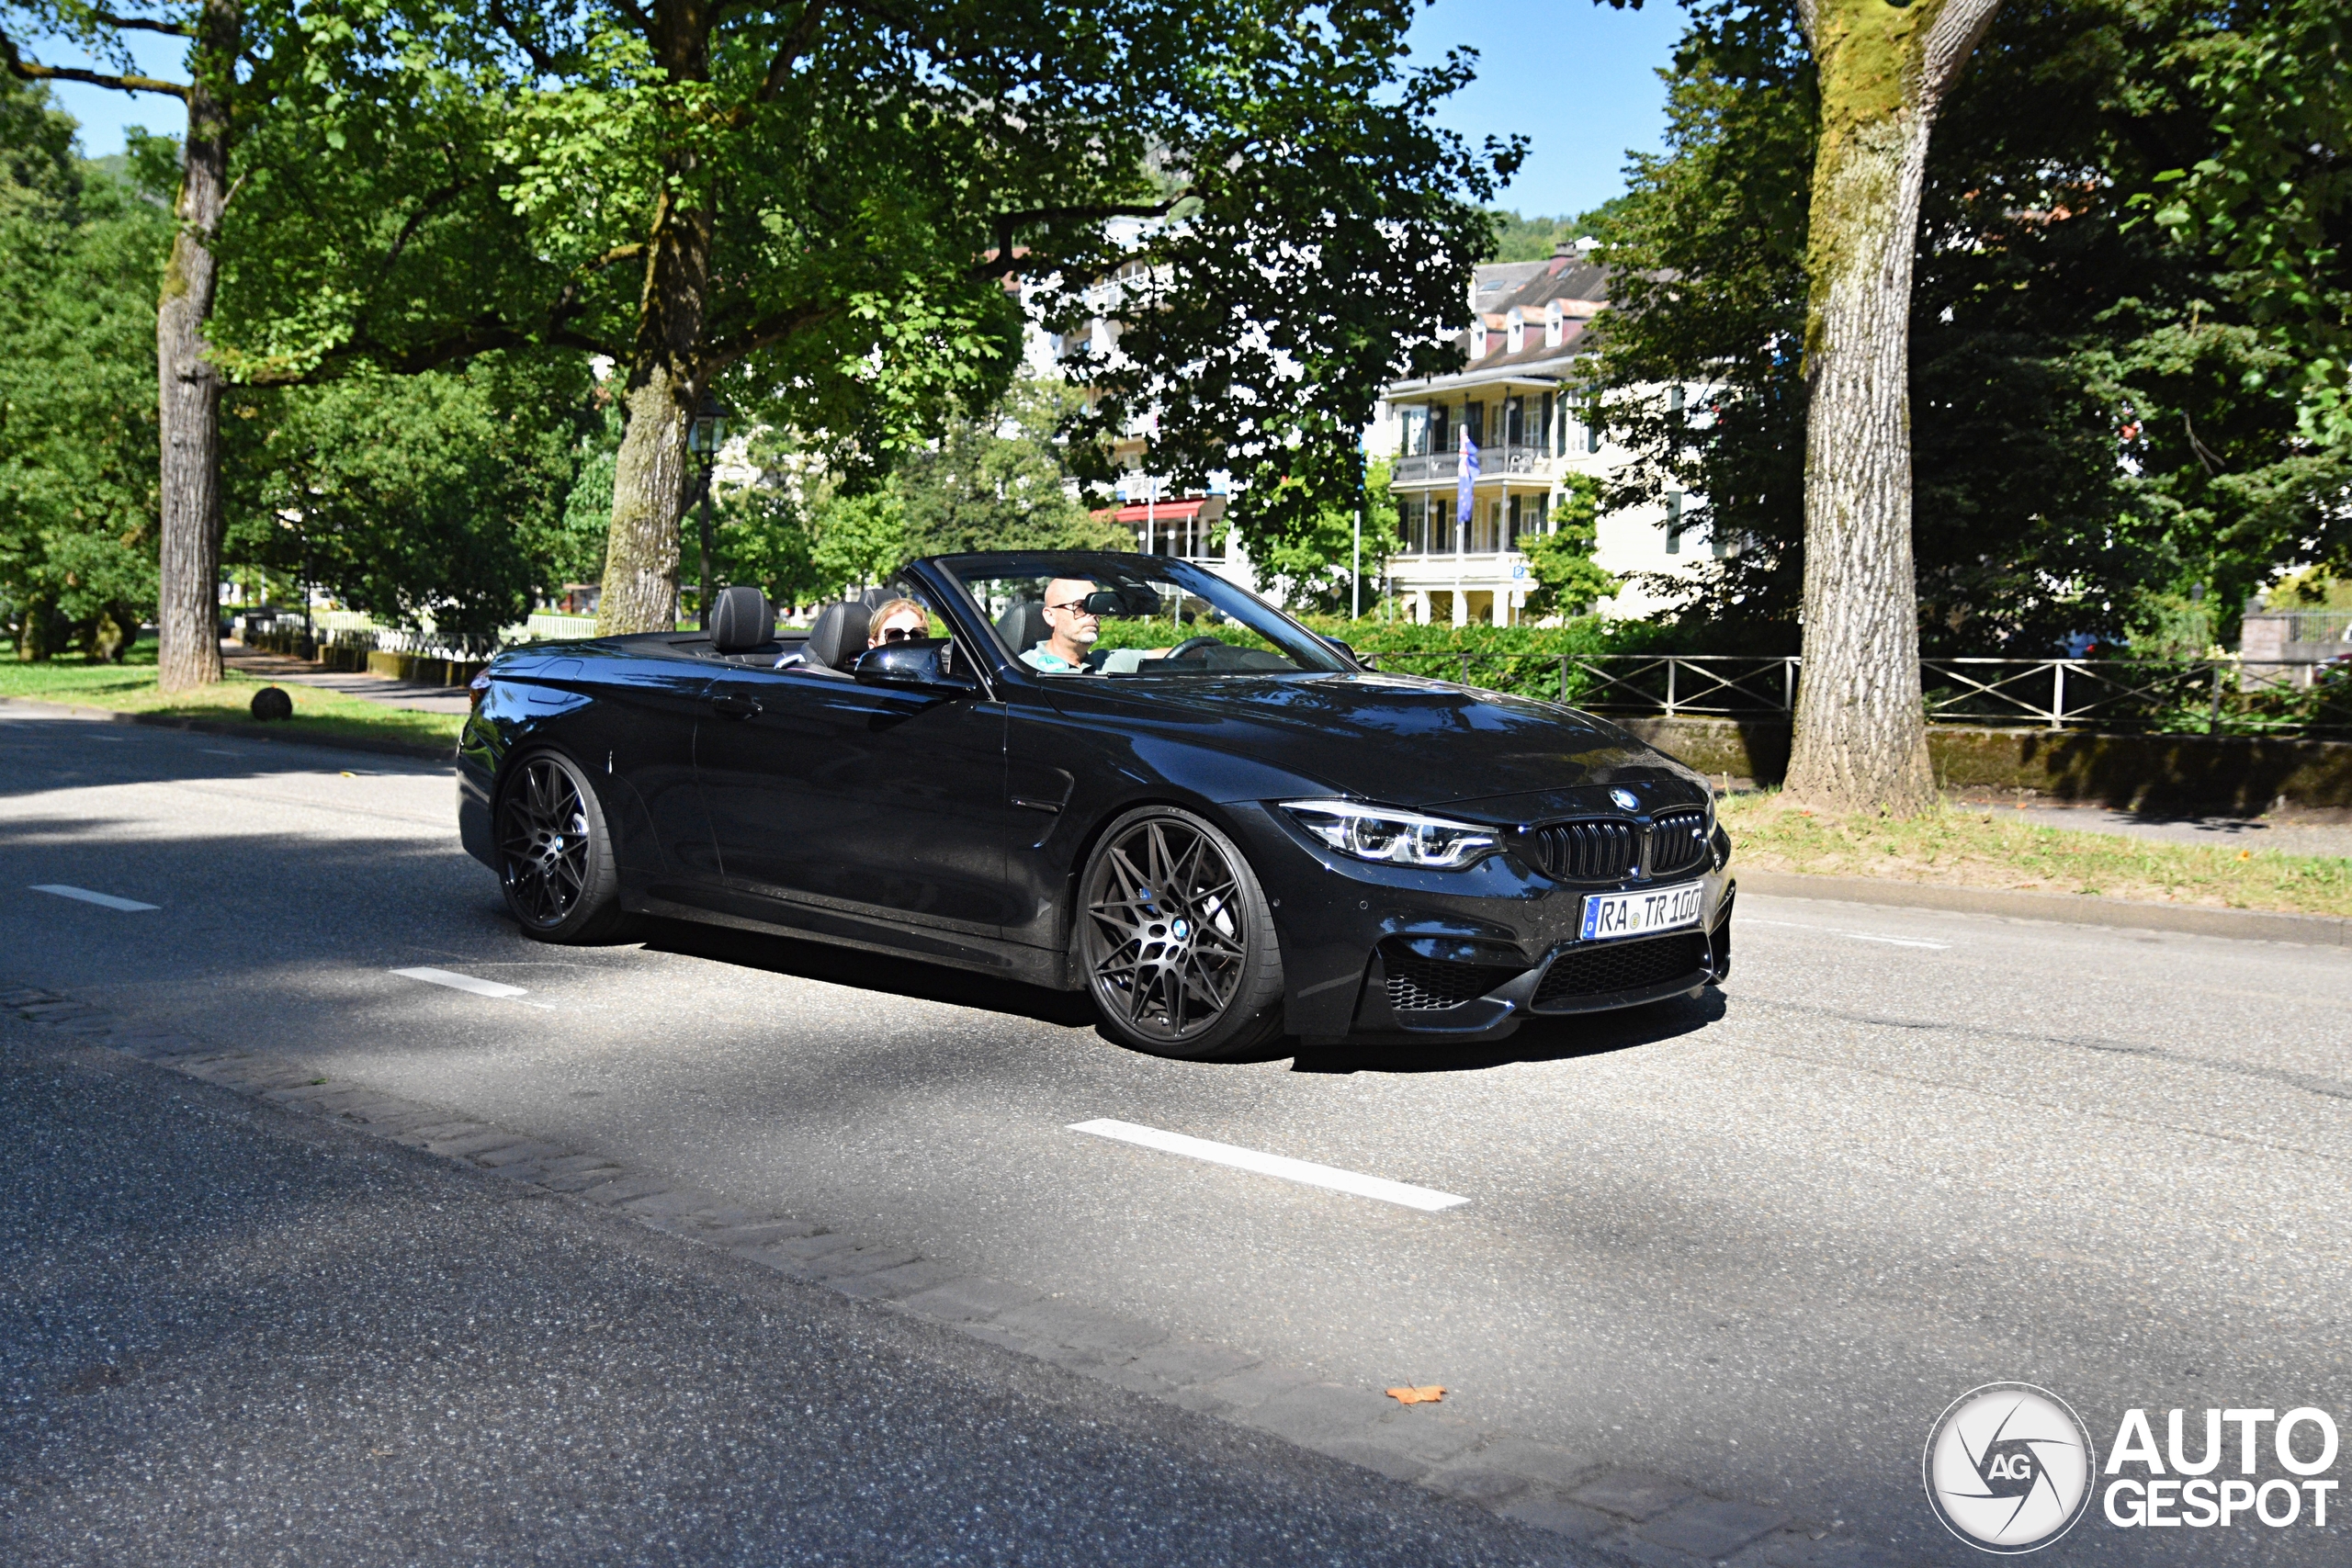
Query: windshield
(1133, 617)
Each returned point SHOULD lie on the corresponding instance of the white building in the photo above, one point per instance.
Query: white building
(1520, 399)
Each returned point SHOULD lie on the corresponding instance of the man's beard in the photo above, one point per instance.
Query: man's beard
(1082, 635)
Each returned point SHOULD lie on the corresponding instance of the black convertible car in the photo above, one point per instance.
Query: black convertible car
(1111, 773)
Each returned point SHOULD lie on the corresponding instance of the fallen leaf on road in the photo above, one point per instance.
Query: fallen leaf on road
(1428, 1395)
(2245, 855)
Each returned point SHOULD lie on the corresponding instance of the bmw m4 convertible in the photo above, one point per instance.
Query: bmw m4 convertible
(1116, 774)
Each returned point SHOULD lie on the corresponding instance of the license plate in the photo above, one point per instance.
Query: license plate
(1609, 915)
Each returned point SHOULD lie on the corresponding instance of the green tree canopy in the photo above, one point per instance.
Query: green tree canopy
(817, 208)
(81, 253)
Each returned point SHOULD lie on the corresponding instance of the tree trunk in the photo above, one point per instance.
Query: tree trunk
(1862, 736)
(188, 383)
(665, 382)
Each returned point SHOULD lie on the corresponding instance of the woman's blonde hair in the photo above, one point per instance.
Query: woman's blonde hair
(882, 616)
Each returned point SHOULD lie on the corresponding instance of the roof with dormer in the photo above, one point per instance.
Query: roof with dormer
(1577, 285)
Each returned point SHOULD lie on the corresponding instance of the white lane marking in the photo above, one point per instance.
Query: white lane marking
(457, 982)
(217, 751)
(1854, 936)
(103, 900)
(1300, 1170)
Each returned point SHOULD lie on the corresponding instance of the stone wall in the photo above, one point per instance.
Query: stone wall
(2209, 772)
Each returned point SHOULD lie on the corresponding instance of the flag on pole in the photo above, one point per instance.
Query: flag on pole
(1463, 487)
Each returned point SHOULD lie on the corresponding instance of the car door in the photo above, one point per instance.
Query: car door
(873, 801)
(636, 737)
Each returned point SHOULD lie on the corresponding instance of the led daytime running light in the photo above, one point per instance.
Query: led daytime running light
(1388, 837)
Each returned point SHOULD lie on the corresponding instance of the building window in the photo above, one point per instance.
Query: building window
(1478, 339)
(1486, 528)
(1547, 443)
(1543, 522)
(1417, 431)
(1514, 430)
(1474, 423)
(1674, 521)
(1554, 325)
(1592, 422)
(1440, 429)
(1511, 524)
(1515, 331)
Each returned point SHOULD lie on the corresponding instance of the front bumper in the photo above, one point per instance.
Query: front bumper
(1390, 953)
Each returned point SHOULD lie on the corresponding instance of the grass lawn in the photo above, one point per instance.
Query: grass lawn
(130, 687)
(1978, 847)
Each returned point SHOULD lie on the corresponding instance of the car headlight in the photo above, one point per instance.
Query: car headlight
(1391, 837)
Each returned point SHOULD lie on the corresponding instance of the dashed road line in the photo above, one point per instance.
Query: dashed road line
(494, 989)
(102, 900)
(1306, 1172)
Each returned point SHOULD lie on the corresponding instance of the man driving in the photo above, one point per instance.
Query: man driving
(1075, 630)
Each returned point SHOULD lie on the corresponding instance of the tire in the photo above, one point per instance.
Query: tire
(554, 853)
(1177, 941)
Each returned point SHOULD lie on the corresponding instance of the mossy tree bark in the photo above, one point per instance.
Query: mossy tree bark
(669, 370)
(1861, 737)
(187, 641)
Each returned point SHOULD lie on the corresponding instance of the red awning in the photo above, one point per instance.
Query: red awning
(1165, 512)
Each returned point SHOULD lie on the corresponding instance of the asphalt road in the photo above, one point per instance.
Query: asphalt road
(1758, 1242)
(230, 1337)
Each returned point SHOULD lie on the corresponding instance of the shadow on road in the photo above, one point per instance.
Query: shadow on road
(866, 971)
(1538, 1040)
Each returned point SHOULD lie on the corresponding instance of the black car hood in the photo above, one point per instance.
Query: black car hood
(1402, 741)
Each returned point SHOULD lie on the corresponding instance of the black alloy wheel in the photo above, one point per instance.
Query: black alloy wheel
(554, 855)
(1178, 946)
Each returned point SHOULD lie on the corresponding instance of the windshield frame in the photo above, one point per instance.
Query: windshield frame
(1315, 654)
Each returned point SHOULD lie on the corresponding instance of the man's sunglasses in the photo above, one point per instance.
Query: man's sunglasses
(1077, 604)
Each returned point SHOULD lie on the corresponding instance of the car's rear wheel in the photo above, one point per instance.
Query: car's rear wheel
(1177, 940)
(555, 854)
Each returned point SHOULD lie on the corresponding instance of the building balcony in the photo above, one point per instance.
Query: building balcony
(1495, 463)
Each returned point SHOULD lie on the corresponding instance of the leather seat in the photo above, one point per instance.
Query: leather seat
(839, 635)
(1024, 626)
(741, 619)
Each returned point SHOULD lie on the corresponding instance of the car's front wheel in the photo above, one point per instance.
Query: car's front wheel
(1177, 939)
(554, 853)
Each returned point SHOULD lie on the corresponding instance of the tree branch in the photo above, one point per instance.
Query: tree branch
(794, 45)
(30, 71)
(140, 24)
(1002, 263)
(541, 61)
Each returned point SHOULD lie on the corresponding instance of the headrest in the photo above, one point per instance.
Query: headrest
(839, 635)
(741, 617)
(1024, 626)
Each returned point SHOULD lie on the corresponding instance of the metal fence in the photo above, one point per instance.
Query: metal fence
(2206, 696)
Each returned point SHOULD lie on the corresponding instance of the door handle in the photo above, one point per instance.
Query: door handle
(734, 705)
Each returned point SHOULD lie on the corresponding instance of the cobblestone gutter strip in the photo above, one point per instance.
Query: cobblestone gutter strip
(1651, 1520)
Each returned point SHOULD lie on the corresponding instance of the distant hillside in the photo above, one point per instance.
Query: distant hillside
(1521, 239)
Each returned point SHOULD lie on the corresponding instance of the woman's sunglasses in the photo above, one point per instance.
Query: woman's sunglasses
(900, 634)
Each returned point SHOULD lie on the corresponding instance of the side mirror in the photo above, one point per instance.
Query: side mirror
(1350, 654)
(928, 665)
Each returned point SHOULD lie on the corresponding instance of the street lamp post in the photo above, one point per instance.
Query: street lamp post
(704, 437)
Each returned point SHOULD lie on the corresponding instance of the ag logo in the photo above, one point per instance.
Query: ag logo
(2008, 1468)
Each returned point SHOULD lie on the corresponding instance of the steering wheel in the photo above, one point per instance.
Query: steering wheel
(1189, 643)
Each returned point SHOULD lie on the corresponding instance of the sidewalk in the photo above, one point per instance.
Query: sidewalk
(373, 688)
(2286, 835)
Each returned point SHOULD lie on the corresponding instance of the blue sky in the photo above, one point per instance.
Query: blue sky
(1578, 78)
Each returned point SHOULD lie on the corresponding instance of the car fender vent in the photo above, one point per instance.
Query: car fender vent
(1433, 985)
(1599, 848)
(1599, 968)
(1678, 841)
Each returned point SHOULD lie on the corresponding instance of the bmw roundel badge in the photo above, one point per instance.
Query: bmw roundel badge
(1626, 800)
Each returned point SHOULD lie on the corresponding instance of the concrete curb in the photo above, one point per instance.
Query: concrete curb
(1625, 1515)
(239, 728)
(2073, 909)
